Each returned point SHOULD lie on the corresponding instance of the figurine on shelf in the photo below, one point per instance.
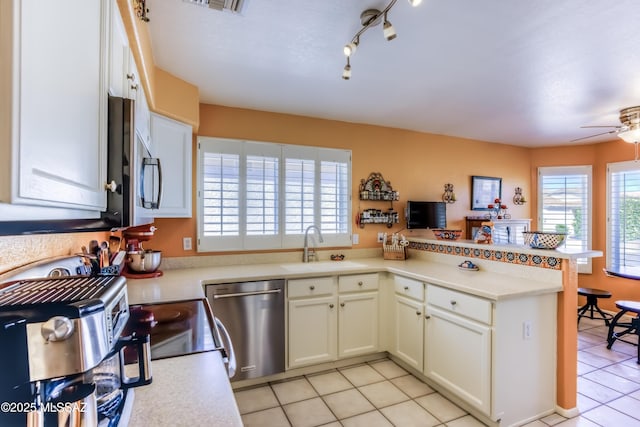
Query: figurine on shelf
(483, 235)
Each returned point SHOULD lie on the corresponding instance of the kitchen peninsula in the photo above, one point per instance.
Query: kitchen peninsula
(511, 281)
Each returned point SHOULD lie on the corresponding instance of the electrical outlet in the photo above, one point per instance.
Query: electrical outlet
(380, 237)
(186, 243)
(355, 239)
(526, 330)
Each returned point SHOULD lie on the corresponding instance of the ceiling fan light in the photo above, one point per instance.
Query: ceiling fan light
(631, 136)
(389, 31)
(415, 3)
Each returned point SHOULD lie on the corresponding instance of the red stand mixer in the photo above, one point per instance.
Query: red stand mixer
(141, 263)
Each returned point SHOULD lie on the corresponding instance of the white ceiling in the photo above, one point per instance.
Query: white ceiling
(518, 72)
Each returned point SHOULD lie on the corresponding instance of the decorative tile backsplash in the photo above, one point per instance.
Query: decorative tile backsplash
(490, 254)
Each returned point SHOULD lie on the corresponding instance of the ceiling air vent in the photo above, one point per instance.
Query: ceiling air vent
(234, 6)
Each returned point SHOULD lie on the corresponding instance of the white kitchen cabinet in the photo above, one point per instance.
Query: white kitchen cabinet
(458, 355)
(408, 342)
(171, 143)
(482, 351)
(53, 118)
(358, 314)
(312, 321)
(119, 52)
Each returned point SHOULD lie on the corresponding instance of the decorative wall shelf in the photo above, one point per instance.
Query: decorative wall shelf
(376, 189)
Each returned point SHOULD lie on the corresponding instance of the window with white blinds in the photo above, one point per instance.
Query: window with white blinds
(255, 195)
(564, 205)
(623, 215)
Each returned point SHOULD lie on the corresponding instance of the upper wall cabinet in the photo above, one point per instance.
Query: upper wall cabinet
(53, 111)
(172, 145)
(124, 80)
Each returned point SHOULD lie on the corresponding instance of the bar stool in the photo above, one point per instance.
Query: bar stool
(632, 327)
(592, 295)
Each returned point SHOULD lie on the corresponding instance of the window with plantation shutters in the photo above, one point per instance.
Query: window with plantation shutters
(255, 195)
(564, 205)
(623, 215)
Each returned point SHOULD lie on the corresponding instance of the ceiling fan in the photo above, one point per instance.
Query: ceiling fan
(628, 130)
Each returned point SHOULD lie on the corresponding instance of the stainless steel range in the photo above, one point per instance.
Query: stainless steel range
(66, 364)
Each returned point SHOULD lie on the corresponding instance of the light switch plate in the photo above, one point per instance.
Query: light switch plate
(355, 239)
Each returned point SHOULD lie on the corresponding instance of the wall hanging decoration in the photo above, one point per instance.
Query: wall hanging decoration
(449, 196)
(518, 198)
(484, 191)
(375, 188)
(141, 9)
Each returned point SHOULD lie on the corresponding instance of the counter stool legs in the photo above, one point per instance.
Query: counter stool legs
(592, 296)
(632, 327)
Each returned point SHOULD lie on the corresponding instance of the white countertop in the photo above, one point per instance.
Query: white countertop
(182, 284)
(187, 391)
(194, 390)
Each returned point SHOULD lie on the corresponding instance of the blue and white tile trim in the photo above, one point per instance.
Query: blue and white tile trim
(491, 254)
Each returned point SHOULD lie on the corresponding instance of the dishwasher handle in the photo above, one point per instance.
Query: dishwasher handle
(229, 355)
(246, 294)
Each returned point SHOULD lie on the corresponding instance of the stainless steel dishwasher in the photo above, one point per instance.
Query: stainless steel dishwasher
(253, 313)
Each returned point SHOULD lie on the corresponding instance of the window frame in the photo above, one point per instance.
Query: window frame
(281, 240)
(613, 168)
(585, 265)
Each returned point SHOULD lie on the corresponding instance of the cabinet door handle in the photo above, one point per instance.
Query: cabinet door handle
(418, 313)
(134, 87)
(427, 317)
(131, 76)
(330, 305)
(406, 288)
(312, 287)
(341, 304)
(360, 283)
(453, 302)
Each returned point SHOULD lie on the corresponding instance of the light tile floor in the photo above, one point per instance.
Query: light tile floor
(380, 393)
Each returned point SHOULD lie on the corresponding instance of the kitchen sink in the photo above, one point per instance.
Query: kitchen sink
(321, 266)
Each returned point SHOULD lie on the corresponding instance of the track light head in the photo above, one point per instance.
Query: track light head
(351, 48)
(415, 3)
(346, 73)
(388, 31)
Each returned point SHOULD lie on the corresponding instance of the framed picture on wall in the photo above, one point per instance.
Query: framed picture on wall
(484, 190)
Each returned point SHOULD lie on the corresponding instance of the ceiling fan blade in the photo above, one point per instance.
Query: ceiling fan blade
(610, 126)
(593, 136)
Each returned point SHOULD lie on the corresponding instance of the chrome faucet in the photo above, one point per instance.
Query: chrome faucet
(308, 255)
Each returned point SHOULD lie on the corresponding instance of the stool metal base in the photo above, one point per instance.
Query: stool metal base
(591, 305)
(632, 327)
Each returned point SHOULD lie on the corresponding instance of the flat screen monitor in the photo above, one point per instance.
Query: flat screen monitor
(426, 215)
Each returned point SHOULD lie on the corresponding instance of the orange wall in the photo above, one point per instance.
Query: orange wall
(417, 164)
(597, 155)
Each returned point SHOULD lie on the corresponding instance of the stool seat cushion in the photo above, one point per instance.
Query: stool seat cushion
(633, 306)
(598, 293)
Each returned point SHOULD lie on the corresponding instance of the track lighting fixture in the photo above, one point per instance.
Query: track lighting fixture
(370, 18)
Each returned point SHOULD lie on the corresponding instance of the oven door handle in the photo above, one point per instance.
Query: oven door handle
(230, 356)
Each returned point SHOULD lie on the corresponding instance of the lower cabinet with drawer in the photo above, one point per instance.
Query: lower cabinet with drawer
(332, 317)
(458, 344)
(313, 320)
(408, 321)
(488, 353)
